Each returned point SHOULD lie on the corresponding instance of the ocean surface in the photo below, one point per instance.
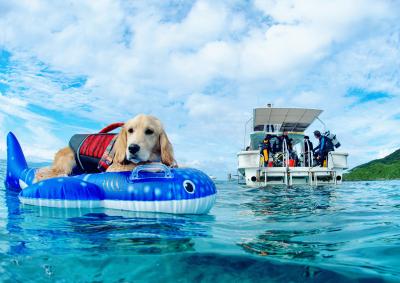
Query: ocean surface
(345, 233)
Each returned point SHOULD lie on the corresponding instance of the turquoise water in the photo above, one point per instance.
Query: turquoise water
(301, 234)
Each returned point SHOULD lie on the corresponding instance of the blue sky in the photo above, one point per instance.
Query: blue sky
(201, 67)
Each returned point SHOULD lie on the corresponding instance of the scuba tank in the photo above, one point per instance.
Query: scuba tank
(332, 139)
(275, 144)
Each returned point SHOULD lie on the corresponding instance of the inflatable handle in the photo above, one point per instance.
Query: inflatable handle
(111, 127)
(151, 171)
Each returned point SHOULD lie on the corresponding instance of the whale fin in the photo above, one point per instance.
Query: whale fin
(17, 168)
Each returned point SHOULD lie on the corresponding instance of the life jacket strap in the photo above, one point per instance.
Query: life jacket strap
(108, 156)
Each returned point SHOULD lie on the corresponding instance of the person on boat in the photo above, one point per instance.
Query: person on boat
(265, 149)
(308, 148)
(275, 144)
(324, 147)
(290, 145)
(280, 145)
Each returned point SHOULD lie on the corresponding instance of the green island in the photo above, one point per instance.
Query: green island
(387, 168)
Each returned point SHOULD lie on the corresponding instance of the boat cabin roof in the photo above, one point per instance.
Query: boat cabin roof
(284, 119)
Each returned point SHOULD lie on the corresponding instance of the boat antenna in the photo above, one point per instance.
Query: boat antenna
(245, 132)
(322, 123)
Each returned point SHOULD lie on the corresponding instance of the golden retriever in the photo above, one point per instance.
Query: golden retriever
(141, 140)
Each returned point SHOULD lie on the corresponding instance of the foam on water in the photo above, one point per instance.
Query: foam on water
(345, 233)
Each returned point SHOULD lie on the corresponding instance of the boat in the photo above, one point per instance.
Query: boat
(281, 169)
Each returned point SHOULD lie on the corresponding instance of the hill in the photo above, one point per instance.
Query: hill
(387, 168)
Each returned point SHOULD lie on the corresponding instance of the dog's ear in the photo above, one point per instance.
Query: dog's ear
(167, 152)
(120, 146)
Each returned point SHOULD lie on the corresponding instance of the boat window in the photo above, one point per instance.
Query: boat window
(259, 128)
(272, 128)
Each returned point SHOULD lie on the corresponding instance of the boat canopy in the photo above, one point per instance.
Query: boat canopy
(273, 119)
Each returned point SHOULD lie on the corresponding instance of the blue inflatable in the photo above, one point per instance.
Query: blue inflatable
(153, 188)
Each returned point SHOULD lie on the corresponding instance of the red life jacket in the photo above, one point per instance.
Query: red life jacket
(93, 151)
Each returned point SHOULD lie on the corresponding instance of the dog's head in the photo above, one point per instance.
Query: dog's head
(143, 139)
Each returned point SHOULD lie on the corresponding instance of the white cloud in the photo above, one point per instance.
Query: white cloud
(16, 107)
(33, 129)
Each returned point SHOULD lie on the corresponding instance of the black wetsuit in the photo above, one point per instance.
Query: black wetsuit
(321, 151)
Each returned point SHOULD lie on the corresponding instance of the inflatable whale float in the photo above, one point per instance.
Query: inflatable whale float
(150, 188)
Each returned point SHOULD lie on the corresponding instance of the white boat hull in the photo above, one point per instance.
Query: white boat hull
(257, 176)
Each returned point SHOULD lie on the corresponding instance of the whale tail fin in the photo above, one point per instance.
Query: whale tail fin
(18, 173)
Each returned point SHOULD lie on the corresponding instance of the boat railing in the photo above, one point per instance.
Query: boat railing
(245, 132)
(261, 160)
(285, 156)
(307, 155)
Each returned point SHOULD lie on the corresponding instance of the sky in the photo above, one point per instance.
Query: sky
(71, 67)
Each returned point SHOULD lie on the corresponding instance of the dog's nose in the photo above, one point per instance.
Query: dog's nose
(133, 148)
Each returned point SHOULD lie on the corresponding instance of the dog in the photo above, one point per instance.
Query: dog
(141, 140)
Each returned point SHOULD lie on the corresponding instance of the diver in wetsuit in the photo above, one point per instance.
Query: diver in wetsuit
(321, 151)
(265, 149)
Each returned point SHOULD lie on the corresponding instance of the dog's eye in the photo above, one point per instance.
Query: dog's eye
(130, 130)
(189, 186)
(149, 132)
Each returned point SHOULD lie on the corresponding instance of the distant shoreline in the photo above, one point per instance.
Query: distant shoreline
(384, 169)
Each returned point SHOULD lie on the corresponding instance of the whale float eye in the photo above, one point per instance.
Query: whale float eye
(189, 186)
